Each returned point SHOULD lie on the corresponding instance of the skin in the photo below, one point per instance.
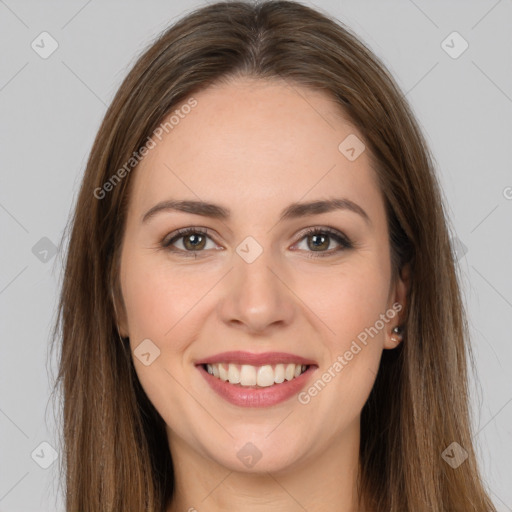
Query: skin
(254, 147)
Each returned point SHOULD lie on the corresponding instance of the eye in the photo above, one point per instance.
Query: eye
(194, 240)
(321, 238)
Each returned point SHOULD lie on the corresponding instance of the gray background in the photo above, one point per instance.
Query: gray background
(50, 110)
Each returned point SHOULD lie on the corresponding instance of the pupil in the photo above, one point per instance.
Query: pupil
(315, 237)
(194, 240)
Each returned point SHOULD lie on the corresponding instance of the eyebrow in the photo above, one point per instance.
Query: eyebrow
(293, 211)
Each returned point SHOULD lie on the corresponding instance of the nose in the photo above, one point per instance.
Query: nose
(256, 296)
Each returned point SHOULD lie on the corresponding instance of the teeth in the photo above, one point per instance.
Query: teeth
(233, 373)
(279, 373)
(223, 373)
(262, 376)
(265, 376)
(247, 375)
(289, 372)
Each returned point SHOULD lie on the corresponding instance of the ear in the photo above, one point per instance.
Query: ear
(398, 303)
(119, 313)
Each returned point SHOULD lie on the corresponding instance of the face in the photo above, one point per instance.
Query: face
(313, 287)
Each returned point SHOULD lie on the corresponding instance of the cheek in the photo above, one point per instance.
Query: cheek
(156, 299)
(160, 307)
(351, 305)
(348, 301)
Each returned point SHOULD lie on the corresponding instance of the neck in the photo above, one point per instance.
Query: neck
(324, 481)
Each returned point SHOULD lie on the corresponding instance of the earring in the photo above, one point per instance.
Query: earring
(396, 334)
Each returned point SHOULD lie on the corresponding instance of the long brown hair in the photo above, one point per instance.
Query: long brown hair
(116, 455)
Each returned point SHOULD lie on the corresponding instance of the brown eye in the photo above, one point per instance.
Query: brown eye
(192, 240)
(319, 239)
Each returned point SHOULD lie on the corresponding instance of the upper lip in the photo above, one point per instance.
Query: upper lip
(264, 358)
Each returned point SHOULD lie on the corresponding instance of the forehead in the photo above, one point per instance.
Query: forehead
(253, 141)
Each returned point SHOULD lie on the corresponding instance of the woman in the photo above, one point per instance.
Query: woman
(212, 359)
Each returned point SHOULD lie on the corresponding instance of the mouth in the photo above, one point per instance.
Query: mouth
(249, 376)
(256, 380)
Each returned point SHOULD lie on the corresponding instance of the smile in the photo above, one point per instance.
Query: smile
(256, 380)
(260, 376)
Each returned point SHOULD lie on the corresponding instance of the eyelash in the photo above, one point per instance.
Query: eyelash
(344, 241)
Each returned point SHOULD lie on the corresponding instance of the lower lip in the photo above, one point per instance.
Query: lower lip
(257, 397)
